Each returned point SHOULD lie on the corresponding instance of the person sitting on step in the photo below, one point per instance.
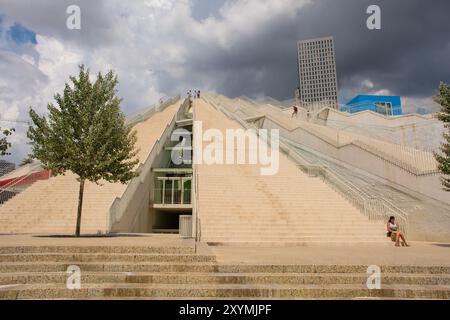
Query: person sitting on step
(395, 234)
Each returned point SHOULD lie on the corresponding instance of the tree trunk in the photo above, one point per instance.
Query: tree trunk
(80, 207)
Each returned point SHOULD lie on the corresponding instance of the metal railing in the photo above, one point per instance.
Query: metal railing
(140, 184)
(146, 114)
(6, 195)
(18, 184)
(171, 196)
(375, 208)
(420, 159)
(415, 162)
(197, 233)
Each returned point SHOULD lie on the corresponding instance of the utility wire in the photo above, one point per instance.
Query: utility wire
(14, 121)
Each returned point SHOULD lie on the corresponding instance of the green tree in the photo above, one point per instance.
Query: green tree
(4, 144)
(27, 160)
(443, 158)
(85, 134)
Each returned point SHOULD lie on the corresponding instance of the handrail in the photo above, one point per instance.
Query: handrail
(391, 134)
(371, 206)
(158, 107)
(7, 191)
(16, 180)
(358, 142)
(196, 199)
(393, 209)
(118, 208)
(399, 163)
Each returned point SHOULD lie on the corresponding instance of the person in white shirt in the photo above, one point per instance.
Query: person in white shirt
(395, 233)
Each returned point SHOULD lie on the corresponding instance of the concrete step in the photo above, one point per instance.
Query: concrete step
(268, 236)
(273, 234)
(288, 291)
(99, 257)
(296, 243)
(248, 212)
(291, 231)
(202, 267)
(8, 267)
(225, 278)
(240, 238)
(295, 223)
(98, 249)
(282, 218)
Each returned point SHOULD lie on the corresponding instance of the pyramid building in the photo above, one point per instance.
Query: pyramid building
(225, 203)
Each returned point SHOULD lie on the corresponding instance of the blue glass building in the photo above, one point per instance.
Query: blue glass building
(385, 105)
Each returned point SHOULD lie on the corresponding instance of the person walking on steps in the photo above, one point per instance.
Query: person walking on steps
(295, 111)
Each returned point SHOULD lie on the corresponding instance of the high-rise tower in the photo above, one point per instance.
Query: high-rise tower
(317, 73)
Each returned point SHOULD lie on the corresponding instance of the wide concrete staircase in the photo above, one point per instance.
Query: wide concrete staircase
(176, 272)
(407, 158)
(428, 220)
(417, 200)
(238, 205)
(50, 206)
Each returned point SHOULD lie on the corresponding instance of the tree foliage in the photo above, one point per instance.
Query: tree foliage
(27, 160)
(443, 158)
(85, 133)
(4, 143)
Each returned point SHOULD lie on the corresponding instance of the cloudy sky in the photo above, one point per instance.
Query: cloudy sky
(235, 47)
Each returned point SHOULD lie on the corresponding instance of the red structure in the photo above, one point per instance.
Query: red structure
(26, 179)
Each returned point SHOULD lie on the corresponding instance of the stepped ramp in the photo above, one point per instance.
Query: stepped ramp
(239, 205)
(405, 157)
(406, 166)
(428, 219)
(51, 206)
(150, 267)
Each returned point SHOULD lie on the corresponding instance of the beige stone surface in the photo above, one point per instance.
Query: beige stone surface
(408, 167)
(406, 155)
(238, 204)
(418, 131)
(124, 240)
(22, 171)
(166, 267)
(50, 206)
(419, 254)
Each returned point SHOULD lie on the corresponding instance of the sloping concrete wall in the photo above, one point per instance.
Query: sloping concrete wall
(51, 206)
(422, 132)
(238, 204)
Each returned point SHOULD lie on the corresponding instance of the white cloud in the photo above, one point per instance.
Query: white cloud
(148, 42)
(156, 47)
(28, 83)
(413, 105)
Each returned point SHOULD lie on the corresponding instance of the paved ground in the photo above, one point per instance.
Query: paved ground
(419, 254)
(122, 240)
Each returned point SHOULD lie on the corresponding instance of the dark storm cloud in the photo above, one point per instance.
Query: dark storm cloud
(408, 56)
(48, 17)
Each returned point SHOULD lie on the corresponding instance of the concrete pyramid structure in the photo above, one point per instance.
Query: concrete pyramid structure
(50, 206)
(238, 204)
(238, 215)
(235, 203)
